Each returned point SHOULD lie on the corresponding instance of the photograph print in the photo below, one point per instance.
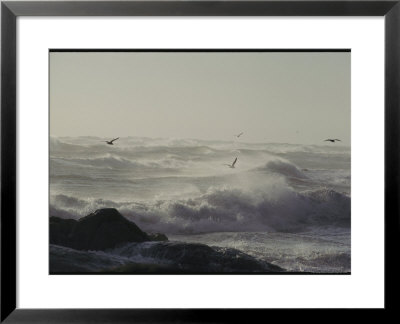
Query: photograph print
(199, 162)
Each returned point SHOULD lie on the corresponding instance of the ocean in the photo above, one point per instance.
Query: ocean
(285, 204)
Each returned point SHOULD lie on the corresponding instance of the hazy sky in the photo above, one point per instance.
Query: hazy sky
(271, 97)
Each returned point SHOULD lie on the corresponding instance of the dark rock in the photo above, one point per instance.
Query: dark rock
(61, 230)
(145, 268)
(64, 260)
(67, 260)
(197, 257)
(161, 257)
(105, 228)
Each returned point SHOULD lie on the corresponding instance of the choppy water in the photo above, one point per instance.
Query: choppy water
(284, 203)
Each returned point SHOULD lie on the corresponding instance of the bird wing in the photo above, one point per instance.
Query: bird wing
(114, 139)
(233, 164)
(327, 140)
(337, 140)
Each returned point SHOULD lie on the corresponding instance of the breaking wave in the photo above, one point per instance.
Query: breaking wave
(224, 209)
(116, 162)
(284, 168)
(277, 199)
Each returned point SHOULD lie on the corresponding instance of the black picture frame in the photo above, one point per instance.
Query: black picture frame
(10, 10)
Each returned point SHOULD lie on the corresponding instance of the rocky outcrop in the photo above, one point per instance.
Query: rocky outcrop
(157, 257)
(64, 260)
(104, 229)
(74, 244)
(61, 230)
(196, 257)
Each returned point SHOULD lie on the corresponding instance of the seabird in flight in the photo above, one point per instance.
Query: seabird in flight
(332, 140)
(232, 166)
(238, 135)
(111, 142)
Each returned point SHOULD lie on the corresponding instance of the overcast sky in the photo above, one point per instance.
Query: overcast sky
(272, 97)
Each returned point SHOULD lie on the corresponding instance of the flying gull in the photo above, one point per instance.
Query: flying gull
(232, 166)
(238, 135)
(111, 142)
(332, 140)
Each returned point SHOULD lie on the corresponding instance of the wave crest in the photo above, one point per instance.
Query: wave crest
(273, 208)
(283, 167)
